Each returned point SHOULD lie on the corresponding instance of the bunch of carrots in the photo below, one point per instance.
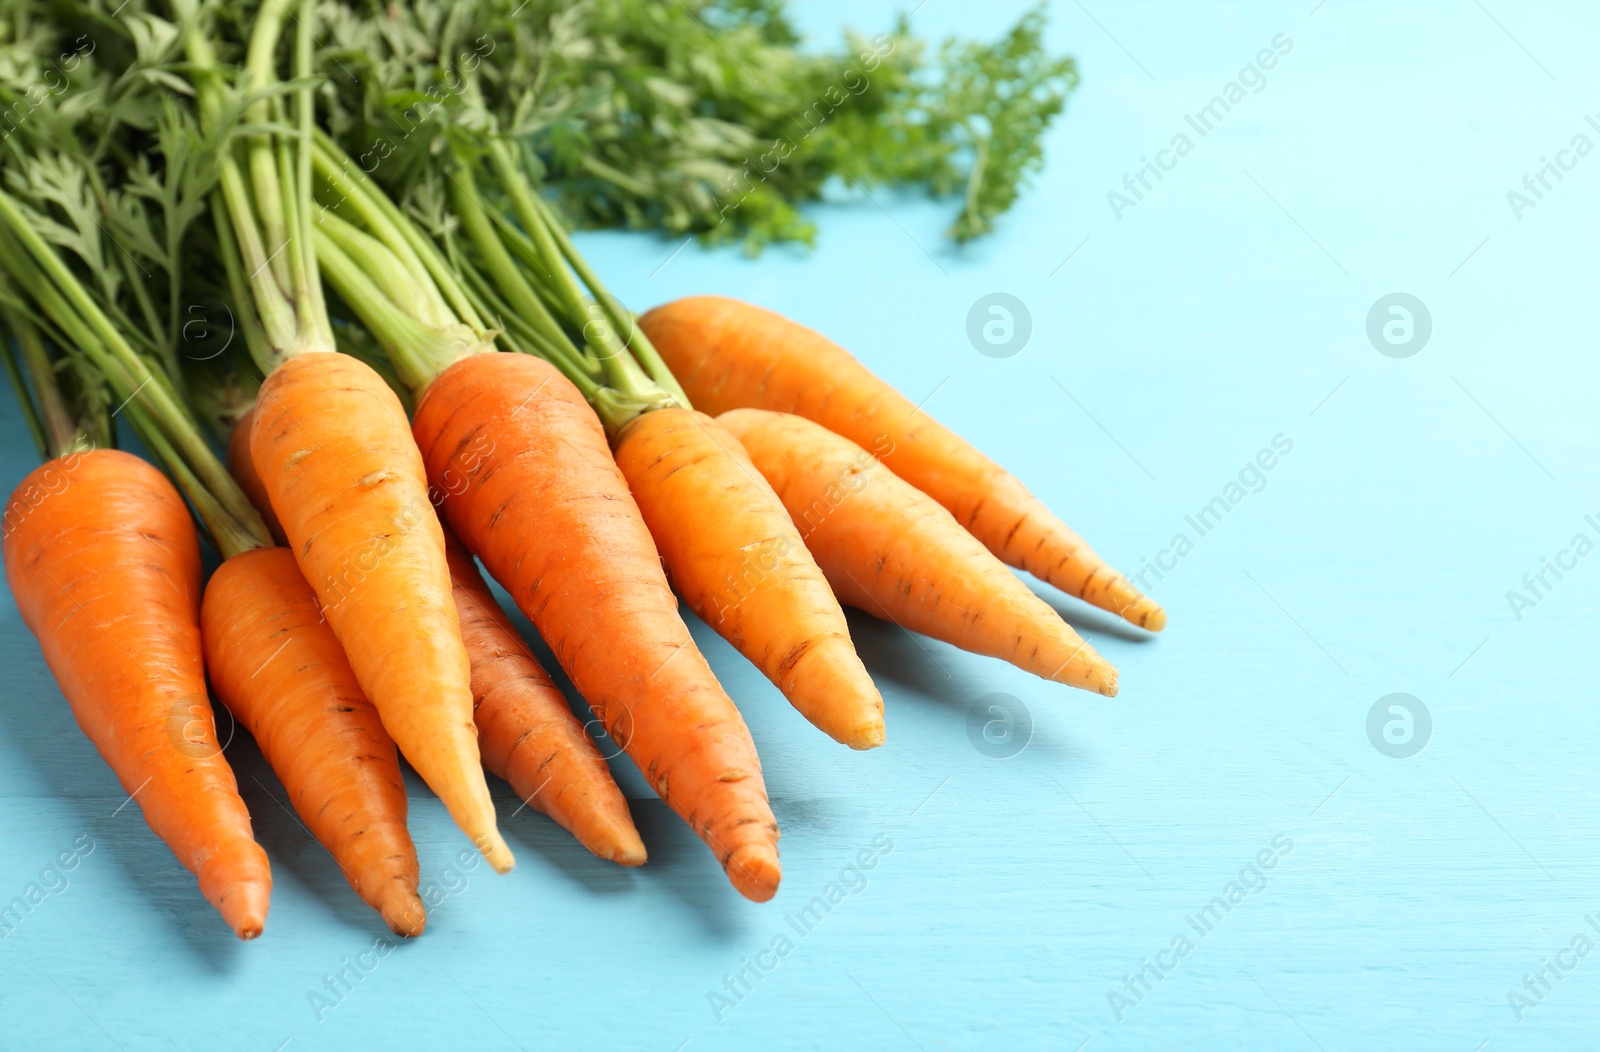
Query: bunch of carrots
(433, 379)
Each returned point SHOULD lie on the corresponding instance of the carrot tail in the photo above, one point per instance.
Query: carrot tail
(526, 732)
(892, 551)
(331, 443)
(104, 563)
(279, 669)
(529, 485)
(734, 555)
(1017, 527)
(732, 355)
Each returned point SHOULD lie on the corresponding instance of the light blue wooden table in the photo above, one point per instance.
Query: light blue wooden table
(1379, 900)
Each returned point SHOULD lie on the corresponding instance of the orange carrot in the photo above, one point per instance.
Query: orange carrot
(331, 444)
(892, 551)
(734, 555)
(732, 355)
(105, 568)
(277, 666)
(526, 732)
(543, 505)
(243, 470)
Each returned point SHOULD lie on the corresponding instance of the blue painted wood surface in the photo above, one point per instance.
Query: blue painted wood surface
(1391, 902)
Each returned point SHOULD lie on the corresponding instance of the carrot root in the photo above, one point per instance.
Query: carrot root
(104, 562)
(277, 665)
(542, 503)
(244, 906)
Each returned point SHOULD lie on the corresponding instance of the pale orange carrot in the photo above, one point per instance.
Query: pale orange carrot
(891, 550)
(734, 555)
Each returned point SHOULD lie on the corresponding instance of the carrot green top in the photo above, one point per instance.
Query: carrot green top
(263, 206)
(84, 305)
(55, 307)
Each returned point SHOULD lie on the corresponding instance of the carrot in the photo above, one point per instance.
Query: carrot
(892, 551)
(527, 734)
(734, 555)
(543, 505)
(732, 355)
(277, 666)
(105, 568)
(330, 444)
(243, 470)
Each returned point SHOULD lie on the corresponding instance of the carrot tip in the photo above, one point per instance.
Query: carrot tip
(402, 910)
(613, 839)
(628, 855)
(244, 907)
(754, 871)
(869, 737)
(1153, 618)
(497, 853)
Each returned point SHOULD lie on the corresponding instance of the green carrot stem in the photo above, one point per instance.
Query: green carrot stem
(30, 414)
(399, 284)
(263, 151)
(519, 336)
(623, 373)
(399, 233)
(249, 321)
(419, 353)
(49, 419)
(269, 212)
(310, 288)
(276, 313)
(621, 316)
(61, 297)
(343, 196)
(522, 247)
(508, 280)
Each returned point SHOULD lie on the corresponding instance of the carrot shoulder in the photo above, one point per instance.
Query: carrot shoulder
(526, 732)
(732, 355)
(892, 551)
(542, 503)
(105, 568)
(275, 663)
(734, 555)
(331, 444)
